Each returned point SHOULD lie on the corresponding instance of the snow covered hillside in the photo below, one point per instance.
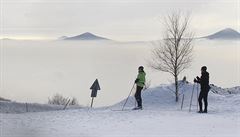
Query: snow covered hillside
(161, 117)
(163, 97)
(225, 91)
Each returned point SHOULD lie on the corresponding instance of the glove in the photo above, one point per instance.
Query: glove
(136, 80)
(198, 77)
(194, 80)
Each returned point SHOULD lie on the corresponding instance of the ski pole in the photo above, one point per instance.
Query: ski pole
(191, 98)
(128, 97)
(197, 95)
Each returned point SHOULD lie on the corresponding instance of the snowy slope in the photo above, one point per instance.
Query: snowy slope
(225, 91)
(163, 97)
(106, 123)
(161, 117)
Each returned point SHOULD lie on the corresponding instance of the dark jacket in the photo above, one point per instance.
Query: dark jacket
(204, 82)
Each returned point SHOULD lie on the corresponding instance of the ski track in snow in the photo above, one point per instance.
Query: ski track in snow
(161, 117)
(101, 123)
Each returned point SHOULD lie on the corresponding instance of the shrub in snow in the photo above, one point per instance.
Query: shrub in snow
(58, 99)
(73, 101)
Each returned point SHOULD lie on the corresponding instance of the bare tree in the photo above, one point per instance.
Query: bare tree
(174, 53)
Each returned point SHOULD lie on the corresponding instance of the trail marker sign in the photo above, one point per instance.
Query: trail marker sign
(95, 87)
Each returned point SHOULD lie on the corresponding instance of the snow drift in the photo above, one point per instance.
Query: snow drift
(158, 98)
(161, 117)
(163, 97)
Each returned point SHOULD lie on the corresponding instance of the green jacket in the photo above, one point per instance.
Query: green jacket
(141, 79)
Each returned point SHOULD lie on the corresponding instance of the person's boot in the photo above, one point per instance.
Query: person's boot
(205, 111)
(200, 111)
(137, 108)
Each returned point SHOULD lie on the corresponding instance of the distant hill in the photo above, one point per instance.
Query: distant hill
(225, 34)
(85, 36)
(3, 99)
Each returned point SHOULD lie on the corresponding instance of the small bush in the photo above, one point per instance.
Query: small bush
(58, 99)
(73, 101)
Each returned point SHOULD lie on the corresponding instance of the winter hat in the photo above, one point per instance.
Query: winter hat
(140, 67)
(204, 68)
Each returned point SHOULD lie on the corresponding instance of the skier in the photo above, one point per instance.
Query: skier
(204, 82)
(140, 82)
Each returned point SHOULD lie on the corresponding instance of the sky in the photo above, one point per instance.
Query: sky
(124, 20)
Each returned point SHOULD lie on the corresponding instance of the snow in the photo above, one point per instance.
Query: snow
(162, 97)
(225, 91)
(161, 117)
(103, 123)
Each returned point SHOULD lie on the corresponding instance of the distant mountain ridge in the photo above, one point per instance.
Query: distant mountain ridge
(84, 36)
(225, 34)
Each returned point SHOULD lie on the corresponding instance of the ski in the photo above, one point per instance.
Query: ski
(137, 108)
(121, 109)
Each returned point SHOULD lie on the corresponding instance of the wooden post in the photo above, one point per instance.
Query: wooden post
(191, 98)
(66, 105)
(182, 102)
(26, 107)
(92, 102)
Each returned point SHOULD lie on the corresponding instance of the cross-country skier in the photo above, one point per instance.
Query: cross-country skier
(140, 82)
(204, 82)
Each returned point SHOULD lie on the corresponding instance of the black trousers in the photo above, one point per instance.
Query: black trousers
(203, 96)
(138, 96)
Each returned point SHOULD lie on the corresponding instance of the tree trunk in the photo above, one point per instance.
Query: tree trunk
(176, 88)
